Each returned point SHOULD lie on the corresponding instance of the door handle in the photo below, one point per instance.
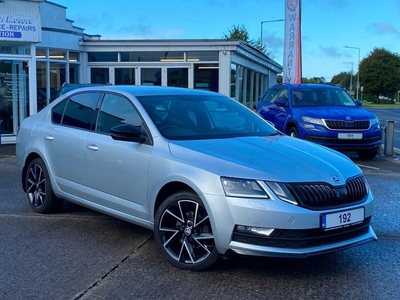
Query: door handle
(92, 147)
(49, 137)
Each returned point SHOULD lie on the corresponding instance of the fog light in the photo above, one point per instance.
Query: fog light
(309, 126)
(254, 230)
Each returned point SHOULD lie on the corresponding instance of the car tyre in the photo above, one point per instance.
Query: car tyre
(183, 233)
(38, 188)
(293, 132)
(367, 154)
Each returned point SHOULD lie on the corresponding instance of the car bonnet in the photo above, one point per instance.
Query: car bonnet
(282, 159)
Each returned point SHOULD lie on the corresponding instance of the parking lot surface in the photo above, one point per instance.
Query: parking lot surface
(81, 254)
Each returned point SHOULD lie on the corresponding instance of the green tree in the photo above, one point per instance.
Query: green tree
(313, 80)
(239, 32)
(380, 73)
(343, 79)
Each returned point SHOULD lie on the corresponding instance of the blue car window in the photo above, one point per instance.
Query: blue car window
(270, 96)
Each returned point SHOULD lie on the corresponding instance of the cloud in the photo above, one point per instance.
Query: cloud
(385, 28)
(330, 51)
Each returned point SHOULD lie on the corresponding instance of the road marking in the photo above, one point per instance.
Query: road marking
(368, 167)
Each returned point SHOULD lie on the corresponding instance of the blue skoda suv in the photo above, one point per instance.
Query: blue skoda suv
(323, 114)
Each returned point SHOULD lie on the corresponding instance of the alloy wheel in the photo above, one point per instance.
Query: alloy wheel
(186, 232)
(36, 185)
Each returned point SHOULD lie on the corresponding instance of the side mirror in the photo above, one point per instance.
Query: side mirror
(281, 102)
(359, 103)
(128, 133)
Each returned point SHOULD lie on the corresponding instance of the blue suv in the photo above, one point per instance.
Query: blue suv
(323, 114)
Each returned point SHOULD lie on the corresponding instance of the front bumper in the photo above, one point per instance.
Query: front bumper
(296, 231)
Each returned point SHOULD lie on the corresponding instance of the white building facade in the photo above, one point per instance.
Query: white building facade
(40, 49)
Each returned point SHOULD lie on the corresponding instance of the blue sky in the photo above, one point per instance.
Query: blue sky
(327, 25)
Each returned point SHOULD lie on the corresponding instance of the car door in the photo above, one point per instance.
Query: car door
(277, 114)
(116, 171)
(64, 140)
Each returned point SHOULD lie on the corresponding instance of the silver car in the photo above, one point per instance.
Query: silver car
(207, 174)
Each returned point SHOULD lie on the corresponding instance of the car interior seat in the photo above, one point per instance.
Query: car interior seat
(178, 116)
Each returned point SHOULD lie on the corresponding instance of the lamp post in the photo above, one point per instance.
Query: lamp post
(351, 77)
(358, 73)
(269, 21)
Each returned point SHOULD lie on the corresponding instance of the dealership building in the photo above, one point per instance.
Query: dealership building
(40, 50)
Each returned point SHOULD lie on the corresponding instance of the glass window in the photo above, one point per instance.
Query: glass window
(150, 76)
(14, 94)
(73, 73)
(57, 54)
(99, 75)
(80, 110)
(270, 96)
(103, 56)
(40, 53)
(233, 81)
(58, 111)
(57, 78)
(116, 110)
(178, 77)
(148, 56)
(41, 76)
(206, 77)
(194, 56)
(190, 117)
(283, 94)
(73, 56)
(15, 48)
(124, 76)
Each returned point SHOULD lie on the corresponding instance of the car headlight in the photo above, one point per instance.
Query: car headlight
(312, 120)
(246, 188)
(374, 121)
(281, 191)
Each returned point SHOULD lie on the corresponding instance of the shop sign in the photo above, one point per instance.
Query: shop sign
(19, 28)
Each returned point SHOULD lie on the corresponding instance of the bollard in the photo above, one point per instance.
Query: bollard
(389, 138)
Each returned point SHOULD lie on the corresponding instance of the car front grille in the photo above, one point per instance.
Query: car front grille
(303, 238)
(318, 196)
(354, 125)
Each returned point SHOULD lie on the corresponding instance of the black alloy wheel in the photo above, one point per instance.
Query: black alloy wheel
(293, 132)
(38, 188)
(183, 232)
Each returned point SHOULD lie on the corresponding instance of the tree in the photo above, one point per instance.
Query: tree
(342, 79)
(380, 73)
(240, 32)
(313, 80)
(237, 32)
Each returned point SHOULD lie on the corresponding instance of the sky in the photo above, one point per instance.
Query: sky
(326, 25)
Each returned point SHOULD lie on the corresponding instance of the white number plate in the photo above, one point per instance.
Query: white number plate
(342, 219)
(350, 136)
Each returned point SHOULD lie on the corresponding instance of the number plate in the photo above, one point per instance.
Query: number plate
(342, 219)
(350, 136)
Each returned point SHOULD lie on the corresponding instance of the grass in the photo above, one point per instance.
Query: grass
(371, 104)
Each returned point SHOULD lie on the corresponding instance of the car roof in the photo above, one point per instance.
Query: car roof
(309, 85)
(144, 90)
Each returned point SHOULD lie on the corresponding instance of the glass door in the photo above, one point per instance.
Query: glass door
(14, 94)
(178, 77)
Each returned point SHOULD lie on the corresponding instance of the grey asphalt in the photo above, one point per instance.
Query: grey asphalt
(81, 254)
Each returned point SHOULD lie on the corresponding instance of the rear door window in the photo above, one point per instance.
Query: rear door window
(78, 111)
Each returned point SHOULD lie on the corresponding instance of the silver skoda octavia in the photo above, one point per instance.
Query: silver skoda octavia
(208, 175)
